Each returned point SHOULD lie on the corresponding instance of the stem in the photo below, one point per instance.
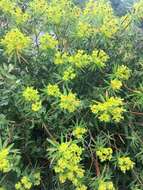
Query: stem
(48, 132)
(136, 113)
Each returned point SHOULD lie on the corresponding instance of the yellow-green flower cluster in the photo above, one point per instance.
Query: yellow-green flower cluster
(47, 41)
(106, 185)
(110, 27)
(58, 10)
(36, 106)
(15, 42)
(19, 16)
(81, 59)
(60, 58)
(53, 90)
(5, 165)
(83, 29)
(102, 13)
(54, 14)
(38, 7)
(14, 11)
(31, 95)
(104, 154)
(69, 102)
(81, 187)
(37, 178)
(69, 74)
(6, 6)
(125, 164)
(27, 182)
(122, 72)
(99, 58)
(78, 132)
(111, 109)
(68, 164)
(2, 188)
(53, 11)
(138, 9)
(116, 84)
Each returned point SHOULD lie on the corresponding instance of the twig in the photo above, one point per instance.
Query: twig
(97, 166)
(136, 113)
(48, 132)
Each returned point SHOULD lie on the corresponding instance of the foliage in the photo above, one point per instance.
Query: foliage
(71, 93)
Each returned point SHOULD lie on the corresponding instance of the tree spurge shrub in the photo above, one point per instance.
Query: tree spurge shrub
(71, 96)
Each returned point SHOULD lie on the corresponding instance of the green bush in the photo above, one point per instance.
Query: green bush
(71, 96)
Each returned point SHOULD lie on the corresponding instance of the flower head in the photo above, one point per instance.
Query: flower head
(111, 109)
(4, 161)
(81, 187)
(125, 164)
(69, 74)
(38, 7)
(80, 59)
(53, 90)
(99, 58)
(122, 72)
(31, 94)
(18, 186)
(66, 169)
(102, 14)
(60, 58)
(36, 106)
(15, 42)
(104, 154)
(19, 16)
(7, 6)
(138, 10)
(105, 117)
(103, 185)
(78, 132)
(48, 42)
(69, 102)
(116, 84)
(26, 182)
(37, 178)
(83, 29)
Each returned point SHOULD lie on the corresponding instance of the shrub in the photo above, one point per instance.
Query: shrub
(71, 96)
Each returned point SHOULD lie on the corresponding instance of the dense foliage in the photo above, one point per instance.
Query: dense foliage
(71, 96)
